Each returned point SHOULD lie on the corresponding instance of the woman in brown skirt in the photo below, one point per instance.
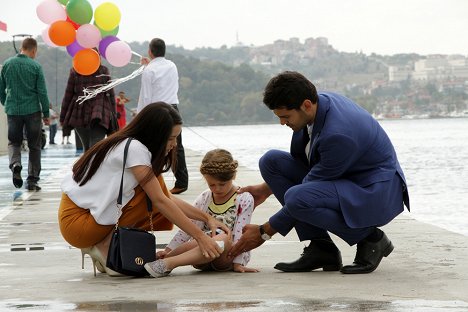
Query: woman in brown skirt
(88, 209)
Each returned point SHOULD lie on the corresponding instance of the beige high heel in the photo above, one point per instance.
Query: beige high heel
(96, 263)
(97, 256)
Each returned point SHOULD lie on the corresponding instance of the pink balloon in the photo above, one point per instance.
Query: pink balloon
(118, 53)
(88, 36)
(50, 11)
(46, 38)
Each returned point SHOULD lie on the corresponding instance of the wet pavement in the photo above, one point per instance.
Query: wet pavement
(39, 271)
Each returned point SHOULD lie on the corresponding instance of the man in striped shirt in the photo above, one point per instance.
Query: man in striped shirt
(23, 93)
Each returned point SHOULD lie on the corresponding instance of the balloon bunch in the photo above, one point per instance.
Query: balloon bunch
(69, 25)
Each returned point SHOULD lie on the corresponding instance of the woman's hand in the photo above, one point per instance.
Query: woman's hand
(162, 253)
(208, 247)
(237, 267)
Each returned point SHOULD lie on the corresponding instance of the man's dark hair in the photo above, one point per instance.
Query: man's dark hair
(157, 47)
(289, 90)
(29, 44)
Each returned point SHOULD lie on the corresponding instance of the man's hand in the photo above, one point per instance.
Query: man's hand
(260, 192)
(46, 121)
(144, 61)
(250, 240)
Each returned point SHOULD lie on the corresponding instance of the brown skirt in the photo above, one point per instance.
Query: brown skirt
(80, 230)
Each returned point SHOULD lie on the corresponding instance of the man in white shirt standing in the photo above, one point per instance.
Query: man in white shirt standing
(160, 83)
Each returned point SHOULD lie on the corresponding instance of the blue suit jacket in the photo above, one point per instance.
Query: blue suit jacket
(350, 148)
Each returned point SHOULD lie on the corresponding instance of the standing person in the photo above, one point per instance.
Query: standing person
(222, 202)
(53, 116)
(23, 92)
(120, 102)
(160, 82)
(90, 119)
(341, 176)
(88, 209)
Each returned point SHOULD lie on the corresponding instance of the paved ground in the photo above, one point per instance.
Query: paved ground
(39, 271)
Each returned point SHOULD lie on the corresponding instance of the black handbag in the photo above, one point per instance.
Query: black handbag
(131, 248)
(113, 119)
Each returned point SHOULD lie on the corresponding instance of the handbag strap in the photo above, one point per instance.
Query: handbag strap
(149, 205)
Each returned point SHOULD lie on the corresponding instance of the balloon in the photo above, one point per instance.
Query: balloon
(86, 62)
(118, 53)
(105, 33)
(88, 36)
(50, 11)
(46, 39)
(107, 16)
(80, 11)
(75, 25)
(73, 48)
(105, 43)
(62, 33)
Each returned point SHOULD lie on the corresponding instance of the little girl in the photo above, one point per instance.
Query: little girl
(223, 203)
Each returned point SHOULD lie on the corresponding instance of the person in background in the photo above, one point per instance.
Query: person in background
(160, 82)
(90, 119)
(23, 92)
(120, 102)
(88, 211)
(53, 116)
(222, 202)
(341, 176)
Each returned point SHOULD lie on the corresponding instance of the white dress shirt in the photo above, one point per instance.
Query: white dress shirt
(159, 83)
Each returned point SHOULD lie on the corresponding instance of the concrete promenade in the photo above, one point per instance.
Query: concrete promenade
(39, 271)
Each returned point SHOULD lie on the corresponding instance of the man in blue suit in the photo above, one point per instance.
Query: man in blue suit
(341, 176)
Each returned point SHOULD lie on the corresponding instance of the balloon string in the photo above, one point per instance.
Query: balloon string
(134, 53)
(91, 92)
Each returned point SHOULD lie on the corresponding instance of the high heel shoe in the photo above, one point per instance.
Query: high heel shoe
(98, 261)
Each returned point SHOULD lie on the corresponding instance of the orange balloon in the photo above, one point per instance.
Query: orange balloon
(62, 33)
(86, 62)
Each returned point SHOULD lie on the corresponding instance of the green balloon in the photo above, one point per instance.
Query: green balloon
(105, 33)
(80, 11)
(63, 2)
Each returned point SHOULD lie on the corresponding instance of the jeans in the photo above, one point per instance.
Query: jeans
(32, 123)
(52, 133)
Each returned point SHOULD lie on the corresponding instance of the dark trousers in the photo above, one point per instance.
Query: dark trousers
(32, 123)
(90, 136)
(180, 172)
(311, 208)
(52, 133)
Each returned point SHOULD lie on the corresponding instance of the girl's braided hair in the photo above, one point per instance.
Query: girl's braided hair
(219, 164)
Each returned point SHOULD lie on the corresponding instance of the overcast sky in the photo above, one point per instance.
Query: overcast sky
(370, 26)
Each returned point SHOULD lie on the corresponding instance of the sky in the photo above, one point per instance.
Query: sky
(384, 27)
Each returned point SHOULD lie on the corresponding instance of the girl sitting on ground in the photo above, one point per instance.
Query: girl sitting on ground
(222, 202)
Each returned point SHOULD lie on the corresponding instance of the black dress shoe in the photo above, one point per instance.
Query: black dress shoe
(178, 190)
(17, 179)
(33, 186)
(320, 254)
(368, 255)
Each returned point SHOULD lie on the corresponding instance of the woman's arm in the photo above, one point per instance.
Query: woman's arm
(172, 212)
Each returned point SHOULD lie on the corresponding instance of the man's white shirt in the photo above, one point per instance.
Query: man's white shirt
(159, 83)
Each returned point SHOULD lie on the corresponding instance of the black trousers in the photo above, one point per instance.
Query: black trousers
(180, 172)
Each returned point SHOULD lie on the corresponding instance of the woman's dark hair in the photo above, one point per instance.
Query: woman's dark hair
(152, 127)
(289, 90)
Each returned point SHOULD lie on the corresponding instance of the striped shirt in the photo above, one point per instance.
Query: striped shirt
(22, 87)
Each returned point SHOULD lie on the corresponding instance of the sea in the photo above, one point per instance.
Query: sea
(432, 152)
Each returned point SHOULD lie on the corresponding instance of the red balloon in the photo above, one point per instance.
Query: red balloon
(75, 25)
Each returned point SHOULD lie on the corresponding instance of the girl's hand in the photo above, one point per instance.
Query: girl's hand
(162, 253)
(237, 267)
(214, 224)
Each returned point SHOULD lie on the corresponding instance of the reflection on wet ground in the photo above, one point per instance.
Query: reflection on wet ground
(245, 306)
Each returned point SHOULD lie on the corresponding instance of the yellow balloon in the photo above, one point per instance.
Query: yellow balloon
(107, 16)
